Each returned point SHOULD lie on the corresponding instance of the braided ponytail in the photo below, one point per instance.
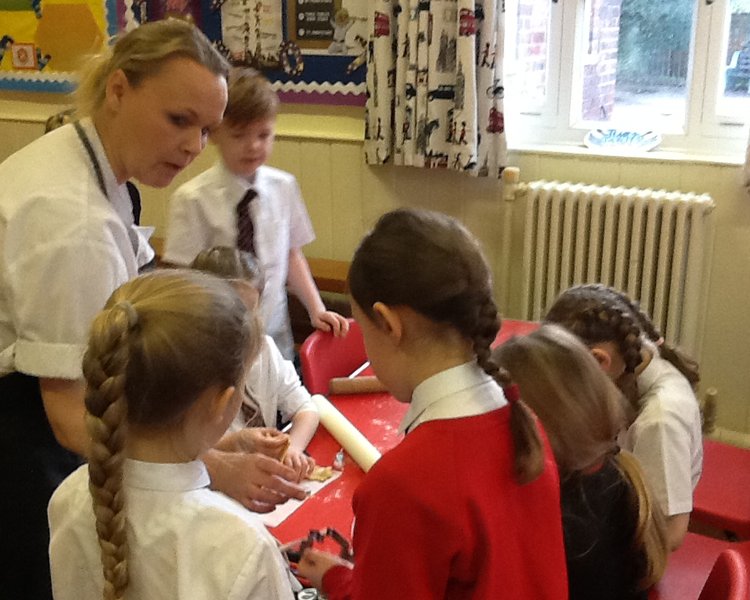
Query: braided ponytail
(596, 315)
(104, 366)
(575, 307)
(432, 264)
(681, 361)
(150, 355)
(528, 461)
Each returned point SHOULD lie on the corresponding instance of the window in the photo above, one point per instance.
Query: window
(677, 67)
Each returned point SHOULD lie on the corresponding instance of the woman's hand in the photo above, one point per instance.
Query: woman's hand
(257, 481)
(300, 462)
(314, 564)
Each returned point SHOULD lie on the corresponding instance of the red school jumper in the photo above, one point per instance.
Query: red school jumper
(441, 516)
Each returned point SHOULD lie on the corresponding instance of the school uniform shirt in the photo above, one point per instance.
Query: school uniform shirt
(441, 515)
(186, 542)
(65, 248)
(599, 521)
(274, 386)
(202, 214)
(666, 436)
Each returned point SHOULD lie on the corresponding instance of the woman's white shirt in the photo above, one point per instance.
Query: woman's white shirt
(64, 247)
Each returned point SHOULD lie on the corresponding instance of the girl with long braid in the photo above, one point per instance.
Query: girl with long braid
(615, 534)
(467, 505)
(664, 428)
(163, 377)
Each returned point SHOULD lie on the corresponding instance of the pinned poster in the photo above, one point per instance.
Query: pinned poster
(43, 44)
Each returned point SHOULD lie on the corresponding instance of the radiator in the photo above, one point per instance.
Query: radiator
(653, 244)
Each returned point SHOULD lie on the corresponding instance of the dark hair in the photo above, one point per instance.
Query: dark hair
(432, 264)
(162, 339)
(597, 313)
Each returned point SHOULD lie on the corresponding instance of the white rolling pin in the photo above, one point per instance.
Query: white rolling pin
(346, 434)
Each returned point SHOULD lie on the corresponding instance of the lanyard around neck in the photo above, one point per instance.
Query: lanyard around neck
(134, 241)
(92, 157)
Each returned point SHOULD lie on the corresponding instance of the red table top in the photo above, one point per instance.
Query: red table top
(722, 497)
(377, 416)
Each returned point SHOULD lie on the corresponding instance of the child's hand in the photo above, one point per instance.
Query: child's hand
(300, 462)
(266, 440)
(314, 564)
(330, 321)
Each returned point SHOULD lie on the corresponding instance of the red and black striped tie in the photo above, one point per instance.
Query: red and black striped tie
(245, 227)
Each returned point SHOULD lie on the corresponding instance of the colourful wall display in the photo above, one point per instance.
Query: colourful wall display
(312, 50)
(43, 42)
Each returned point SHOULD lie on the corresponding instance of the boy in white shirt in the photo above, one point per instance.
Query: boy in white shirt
(213, 209)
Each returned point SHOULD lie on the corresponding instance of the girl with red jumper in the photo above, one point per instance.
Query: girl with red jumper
(468, 505)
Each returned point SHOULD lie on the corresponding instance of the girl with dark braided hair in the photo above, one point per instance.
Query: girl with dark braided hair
(664, 430)
(164, 379)
(467, 505)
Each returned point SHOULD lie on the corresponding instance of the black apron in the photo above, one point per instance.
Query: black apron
(32, 465)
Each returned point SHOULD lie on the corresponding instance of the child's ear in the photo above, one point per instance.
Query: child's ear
(603, 357)
(389, 321)
(222, 403)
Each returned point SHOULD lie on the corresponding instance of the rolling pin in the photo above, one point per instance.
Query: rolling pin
(367, 384)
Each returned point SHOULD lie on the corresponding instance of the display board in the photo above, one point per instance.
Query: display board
(312, 50)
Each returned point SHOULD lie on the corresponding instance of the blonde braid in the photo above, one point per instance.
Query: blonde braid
(104, 367)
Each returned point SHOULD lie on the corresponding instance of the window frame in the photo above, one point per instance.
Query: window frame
(705, 131)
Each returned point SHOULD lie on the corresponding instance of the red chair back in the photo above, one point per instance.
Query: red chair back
(728, 579)
(324, 356)
(514, 327)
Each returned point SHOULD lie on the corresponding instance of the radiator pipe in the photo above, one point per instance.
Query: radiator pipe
(511, 177)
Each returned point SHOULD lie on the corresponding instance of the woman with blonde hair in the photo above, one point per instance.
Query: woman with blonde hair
(147, 104)
(615, 535)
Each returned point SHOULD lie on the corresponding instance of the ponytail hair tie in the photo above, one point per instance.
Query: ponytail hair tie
(512, 393)
(130, 311)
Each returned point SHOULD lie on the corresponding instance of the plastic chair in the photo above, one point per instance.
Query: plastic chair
(728, 579)
(688, 568)
(513, 327)
(324, 356)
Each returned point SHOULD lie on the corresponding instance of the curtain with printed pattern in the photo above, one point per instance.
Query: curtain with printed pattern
(435, 85)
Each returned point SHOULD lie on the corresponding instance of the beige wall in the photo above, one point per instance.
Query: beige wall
(344, 197)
